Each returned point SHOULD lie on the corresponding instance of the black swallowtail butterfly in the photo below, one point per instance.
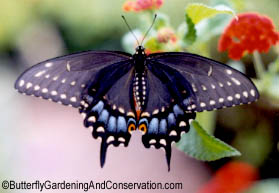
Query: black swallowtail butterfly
(117, 92)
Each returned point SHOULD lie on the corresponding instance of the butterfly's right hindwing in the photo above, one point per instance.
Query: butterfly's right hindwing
(163, 117)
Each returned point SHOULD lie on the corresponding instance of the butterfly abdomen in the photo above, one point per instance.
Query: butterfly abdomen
(140, 92)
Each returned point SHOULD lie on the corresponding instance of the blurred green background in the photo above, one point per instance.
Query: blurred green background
(43, 140)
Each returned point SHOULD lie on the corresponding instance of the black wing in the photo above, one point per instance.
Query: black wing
(213, 85)
(106, 106)
(63, 79)
(159, 96)
(163, 117)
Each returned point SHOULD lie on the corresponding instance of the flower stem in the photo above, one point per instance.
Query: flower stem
(258, 64)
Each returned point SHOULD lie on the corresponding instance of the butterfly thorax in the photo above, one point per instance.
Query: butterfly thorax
(139, 59)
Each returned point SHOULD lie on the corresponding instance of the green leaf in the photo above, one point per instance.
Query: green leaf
(191, 34)
(198, 12)
(207, 119)
(199, 144)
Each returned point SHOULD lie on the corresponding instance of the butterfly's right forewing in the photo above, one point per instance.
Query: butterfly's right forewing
(213, 85)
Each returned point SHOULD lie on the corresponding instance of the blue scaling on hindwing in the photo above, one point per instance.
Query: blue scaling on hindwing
(121, 124)
(177, 110)
(163, 126)
(107, 109)
(166, 127)
(98, 107)
(112, 124)
(106, 123)
(153, 126)
(171, 120)
(103, 118)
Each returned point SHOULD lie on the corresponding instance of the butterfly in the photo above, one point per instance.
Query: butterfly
(118, 93)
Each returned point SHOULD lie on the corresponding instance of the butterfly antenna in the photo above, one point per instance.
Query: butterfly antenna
(130, 29)
(155, 16)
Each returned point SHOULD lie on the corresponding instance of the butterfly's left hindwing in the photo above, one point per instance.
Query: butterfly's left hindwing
(107, 108)
(64, 78)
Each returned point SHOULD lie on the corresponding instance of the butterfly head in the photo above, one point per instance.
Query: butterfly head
(140, 50)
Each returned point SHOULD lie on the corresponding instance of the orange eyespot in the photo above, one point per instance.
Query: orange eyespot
(143, 128)
(131, 128)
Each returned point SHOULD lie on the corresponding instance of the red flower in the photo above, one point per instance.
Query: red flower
(142, 5)
(232, 177)
(249, 33)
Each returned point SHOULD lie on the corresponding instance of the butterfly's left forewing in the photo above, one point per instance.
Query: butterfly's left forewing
(63, 79)
(87, 80)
